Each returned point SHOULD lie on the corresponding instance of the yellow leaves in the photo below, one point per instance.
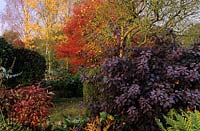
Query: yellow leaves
(32, 26)
(42, 19)
(97, 124)
(28, 43)
(32, 3)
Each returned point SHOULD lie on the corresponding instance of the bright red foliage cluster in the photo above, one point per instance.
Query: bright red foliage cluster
(33, 105)
(76, 45)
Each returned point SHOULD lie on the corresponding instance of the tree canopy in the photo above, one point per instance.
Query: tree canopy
(97, 25)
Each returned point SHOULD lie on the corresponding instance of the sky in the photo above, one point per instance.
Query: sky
(2, 6)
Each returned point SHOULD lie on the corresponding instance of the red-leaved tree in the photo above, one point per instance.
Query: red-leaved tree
(76, 48)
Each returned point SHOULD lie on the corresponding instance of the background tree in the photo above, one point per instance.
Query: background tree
(191, 35)
(39, 23)
(13, 38)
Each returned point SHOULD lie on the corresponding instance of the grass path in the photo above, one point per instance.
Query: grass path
(67, 106)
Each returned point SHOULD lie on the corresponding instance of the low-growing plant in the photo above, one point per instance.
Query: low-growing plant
(182, 121)
(32, 107)
(102, 122)
(147, 83)
(72, 124)
(7, 125)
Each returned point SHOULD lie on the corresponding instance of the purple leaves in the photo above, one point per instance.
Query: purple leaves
(142, 63)
(148, 83)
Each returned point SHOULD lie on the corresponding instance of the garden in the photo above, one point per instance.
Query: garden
(100, 65)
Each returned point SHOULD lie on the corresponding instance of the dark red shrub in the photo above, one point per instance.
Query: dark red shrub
(147, 84)
(33, 106)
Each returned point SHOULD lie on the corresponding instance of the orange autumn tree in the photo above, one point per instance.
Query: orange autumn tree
(89, 32)
(75, 48)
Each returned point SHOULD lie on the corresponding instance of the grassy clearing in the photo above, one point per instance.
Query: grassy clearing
(67, 106)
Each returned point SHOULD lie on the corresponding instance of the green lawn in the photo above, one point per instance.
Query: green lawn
(67, 106)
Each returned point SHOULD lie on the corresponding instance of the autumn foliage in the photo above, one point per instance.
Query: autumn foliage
(32, 107)
(76, 45)
(90, 31)
(94, 27)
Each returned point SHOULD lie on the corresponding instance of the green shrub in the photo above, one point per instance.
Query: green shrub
(31, 64)
(6, 54)
(183, 121)
(69, 86)
(89, 91)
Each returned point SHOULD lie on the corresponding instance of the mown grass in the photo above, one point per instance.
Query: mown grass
(68, 107)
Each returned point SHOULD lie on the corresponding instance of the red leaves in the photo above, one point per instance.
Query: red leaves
(32, 108)
(74, 28)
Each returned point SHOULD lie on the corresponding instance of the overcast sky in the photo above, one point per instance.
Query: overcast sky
(2, 6)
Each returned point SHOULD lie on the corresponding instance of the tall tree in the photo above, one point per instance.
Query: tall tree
(99, 24)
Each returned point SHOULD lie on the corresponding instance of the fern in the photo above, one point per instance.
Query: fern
(196, 120)
(183, 121)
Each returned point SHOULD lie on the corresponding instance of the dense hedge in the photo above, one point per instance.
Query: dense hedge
(148, 83)
(30, 63)
(6, 53)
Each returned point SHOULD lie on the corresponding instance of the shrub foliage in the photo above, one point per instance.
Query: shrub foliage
(147, 83)
(6, 53)
(7, 99)
(29, 106)
(31, 64)
(66, 87)
(33, 106)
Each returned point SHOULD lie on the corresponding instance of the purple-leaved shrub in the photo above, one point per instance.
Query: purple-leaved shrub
(147, 84)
